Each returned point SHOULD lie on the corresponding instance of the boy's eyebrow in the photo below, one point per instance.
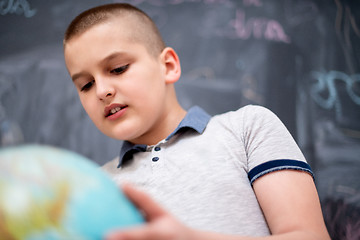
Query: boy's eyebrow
(112, 56)
(106, 59)
(78, 75)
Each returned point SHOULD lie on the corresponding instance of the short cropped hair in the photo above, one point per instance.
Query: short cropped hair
(145, 30)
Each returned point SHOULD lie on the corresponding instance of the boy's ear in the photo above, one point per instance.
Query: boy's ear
(172, 65)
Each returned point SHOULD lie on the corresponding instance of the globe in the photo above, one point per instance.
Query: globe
(52, 193)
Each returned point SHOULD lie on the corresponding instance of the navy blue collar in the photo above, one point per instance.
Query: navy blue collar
(196, 119)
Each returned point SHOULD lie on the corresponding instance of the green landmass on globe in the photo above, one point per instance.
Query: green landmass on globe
(52, 193)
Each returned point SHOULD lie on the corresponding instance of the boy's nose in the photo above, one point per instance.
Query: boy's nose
(104, 90)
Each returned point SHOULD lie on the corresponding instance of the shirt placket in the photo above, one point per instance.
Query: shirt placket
(157, 156)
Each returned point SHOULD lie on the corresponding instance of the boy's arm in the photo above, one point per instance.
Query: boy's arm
(288, 199)
(291, 205)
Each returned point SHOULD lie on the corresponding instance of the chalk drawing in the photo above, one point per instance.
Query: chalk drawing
(326, 84)
(345, 26)
(10, 132)
(17, 7)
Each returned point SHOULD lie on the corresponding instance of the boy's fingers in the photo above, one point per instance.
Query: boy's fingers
(140, 233)
(143, 202)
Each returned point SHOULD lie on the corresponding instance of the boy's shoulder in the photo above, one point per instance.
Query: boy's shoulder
(247, 111)
(254, 109)
(111, 165)
(248, 118)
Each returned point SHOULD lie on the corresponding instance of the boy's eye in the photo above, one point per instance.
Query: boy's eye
(87, 86)
(120, 70)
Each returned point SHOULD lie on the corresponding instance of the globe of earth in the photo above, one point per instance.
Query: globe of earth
(51, 193)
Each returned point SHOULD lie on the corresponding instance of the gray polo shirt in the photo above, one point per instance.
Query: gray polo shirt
(203, 172)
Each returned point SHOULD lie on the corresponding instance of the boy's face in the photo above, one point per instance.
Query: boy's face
(121, 86)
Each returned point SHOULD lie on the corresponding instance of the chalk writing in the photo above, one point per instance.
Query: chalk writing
(259, 28)
(16, 7)
(326, 84)
(240, 27)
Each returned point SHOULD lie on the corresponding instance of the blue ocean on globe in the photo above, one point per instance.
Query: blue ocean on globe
(51, 193)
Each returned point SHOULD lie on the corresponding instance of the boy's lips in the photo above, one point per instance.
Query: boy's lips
(113, 108)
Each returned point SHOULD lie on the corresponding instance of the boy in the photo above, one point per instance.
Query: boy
(219, 176)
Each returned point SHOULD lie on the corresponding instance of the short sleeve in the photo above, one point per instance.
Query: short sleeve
(268, 144)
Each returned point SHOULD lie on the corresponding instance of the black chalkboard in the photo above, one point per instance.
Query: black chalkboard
(300, 58)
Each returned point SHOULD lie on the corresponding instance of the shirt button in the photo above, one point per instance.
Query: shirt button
(155, 159)
(157, 149)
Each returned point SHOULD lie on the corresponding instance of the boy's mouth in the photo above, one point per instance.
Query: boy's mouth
(114, 108)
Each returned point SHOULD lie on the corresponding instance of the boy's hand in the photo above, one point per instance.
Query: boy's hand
(160, 224)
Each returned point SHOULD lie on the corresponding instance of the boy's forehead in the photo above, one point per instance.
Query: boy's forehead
(106, 35)
(110, 31)
(106, 38)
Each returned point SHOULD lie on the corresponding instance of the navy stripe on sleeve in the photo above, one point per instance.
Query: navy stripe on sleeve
(276, 165)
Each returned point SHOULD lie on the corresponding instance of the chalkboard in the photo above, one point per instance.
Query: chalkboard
(300, 58)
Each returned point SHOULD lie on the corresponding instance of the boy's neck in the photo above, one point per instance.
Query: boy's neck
(164, 128)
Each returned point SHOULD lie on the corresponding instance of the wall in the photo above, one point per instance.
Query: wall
(300, 58)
